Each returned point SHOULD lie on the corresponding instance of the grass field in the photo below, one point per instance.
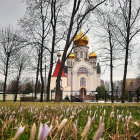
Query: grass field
(68, 121)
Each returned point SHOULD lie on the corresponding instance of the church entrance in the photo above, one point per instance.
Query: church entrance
(83, 92)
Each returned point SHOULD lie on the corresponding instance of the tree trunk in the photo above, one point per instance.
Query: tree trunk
(111, 65)
(5, 80)
(17, 85)
(48, 84)
(45, 83)
(41, 75)
(53, 24)
(111, 77)
(58, 95)
(124, 75)
(37, 74)
(58, 91)
(41, 54)
(17, 82)
(126, 52)
(51, 66)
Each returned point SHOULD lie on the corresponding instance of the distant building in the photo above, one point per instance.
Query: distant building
(81, 76)
(132, 83)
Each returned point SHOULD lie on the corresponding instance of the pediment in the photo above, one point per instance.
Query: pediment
(83, 63)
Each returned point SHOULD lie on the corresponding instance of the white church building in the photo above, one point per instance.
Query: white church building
(81, 75)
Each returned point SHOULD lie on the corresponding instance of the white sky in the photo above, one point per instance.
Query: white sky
(12, 10)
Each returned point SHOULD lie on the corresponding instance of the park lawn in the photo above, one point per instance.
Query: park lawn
(121, 121)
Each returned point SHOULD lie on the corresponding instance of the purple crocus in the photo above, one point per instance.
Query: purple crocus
(44, 131)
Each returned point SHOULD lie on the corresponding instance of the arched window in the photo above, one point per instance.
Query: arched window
(81, 54)
(86, 54)
(82, 82)
(82, 70)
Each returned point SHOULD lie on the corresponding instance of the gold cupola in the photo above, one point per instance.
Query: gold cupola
(81, 39)
(92, 55)
(72, 56)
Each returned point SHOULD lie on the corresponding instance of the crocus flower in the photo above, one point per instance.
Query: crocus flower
(87, 127)
(44, 131)
(71, 117)
(62, 124)
(112, 114)
(119, 117)
(129, 119)
(75, 129)
(137, 123)
(33, 132)
(94, 116)
(19, 132)
(99, 132)
(101, 119)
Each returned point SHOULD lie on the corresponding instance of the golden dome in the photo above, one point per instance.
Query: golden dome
(72, 56)
(92, 55)
(81, 39)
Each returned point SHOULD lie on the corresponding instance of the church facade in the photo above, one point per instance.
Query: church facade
(81, 75)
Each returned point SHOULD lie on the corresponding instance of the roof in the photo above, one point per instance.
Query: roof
(72, 56)
(57, 68)
(92, 55)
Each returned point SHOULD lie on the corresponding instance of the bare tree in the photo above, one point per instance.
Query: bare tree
(128, 14)
(48, 19)
(37, 73)
(10, 43)
(20, 65)
(55, 18)
(80, 13)
(106, 32)
(36, 26)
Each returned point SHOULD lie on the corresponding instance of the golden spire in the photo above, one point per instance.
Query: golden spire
(81, 39)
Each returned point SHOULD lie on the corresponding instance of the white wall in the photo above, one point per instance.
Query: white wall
(91, 78)
(66, 89)
(9, 97)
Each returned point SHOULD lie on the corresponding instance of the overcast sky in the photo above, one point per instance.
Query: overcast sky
(12, 10)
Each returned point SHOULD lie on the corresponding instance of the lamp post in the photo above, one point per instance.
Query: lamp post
(96, 95)
(129, 96)
(105, 96)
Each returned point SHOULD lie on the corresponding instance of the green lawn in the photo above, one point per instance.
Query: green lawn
(121, 121)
